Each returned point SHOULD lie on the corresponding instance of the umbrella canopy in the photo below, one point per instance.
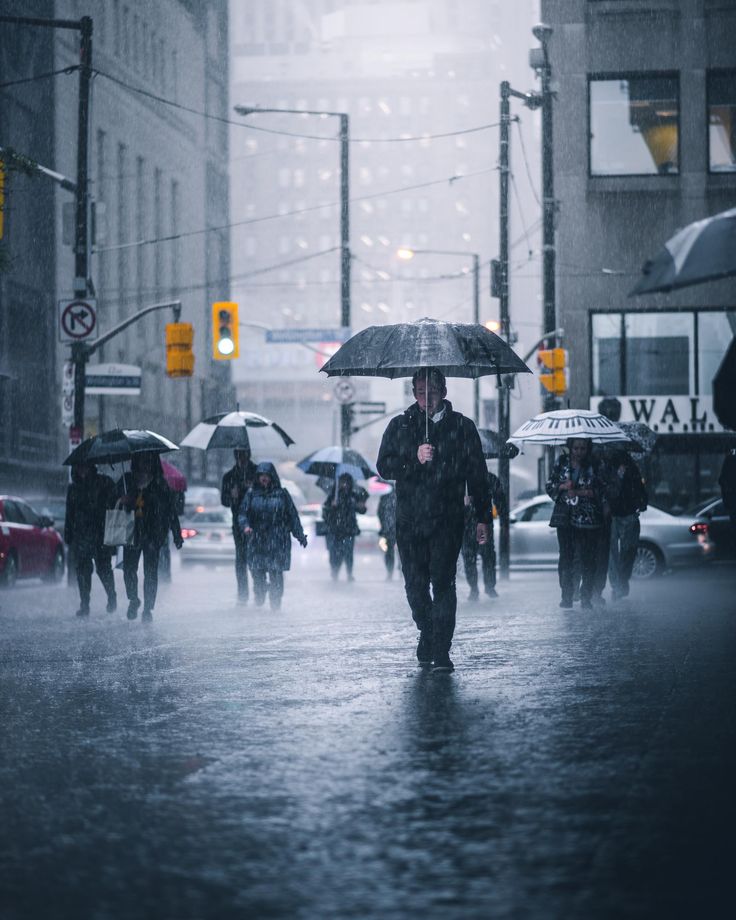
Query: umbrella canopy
(490, 442)
(235, 430)
(174, 477)
(335, 460)
(556, 427)
(702, 251)
(724, 389)
(398, 350)
(118, 445)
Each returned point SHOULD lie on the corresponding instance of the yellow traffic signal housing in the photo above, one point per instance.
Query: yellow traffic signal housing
(555, 360)
(225, 343)
(179, 354)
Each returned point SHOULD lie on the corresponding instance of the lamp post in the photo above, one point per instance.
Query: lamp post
(407, 254)
(345, 410)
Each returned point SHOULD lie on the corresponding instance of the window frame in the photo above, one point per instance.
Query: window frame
(634, 75)
(715, 71)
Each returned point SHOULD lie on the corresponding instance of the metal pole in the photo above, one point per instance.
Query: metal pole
(476, 320)
(345, 410)
(81, 236)
(503, 390)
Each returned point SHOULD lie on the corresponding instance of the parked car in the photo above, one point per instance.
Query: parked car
(666, 540)
(714, 514)
(208, 537)
(29, 545)
(200, 497)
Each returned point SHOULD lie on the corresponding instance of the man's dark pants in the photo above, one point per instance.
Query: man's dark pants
(85, 554)
(241, 561)
(430, 560)
(586, 543)
(341, 550)
(625, 532)
(487, 552)
(602, 555)
(131, 557)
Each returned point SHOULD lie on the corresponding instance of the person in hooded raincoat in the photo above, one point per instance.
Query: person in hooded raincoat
(268, 519)
(339, 512)
(89, 495)
(432, 474)
(145, 491)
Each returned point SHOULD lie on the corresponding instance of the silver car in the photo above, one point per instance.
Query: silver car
(665, 541)
(208, 537)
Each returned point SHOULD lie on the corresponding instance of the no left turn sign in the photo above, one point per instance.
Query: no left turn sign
(344, 391)
(77, 320)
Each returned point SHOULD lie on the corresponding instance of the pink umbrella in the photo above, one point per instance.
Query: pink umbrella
(175, 479)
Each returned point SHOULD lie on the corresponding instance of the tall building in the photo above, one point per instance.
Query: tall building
(419, 81)
(158, 167)
(644, 143)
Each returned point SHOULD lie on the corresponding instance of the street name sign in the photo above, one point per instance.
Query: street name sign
(77, 320)
(297, 336)
(113, 380)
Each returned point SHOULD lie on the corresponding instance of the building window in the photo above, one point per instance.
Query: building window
(716, 329)
(607, 354)
(722, 121)
(634, 125)
(659, 354)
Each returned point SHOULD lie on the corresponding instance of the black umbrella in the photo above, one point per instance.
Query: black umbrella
(724, 389)
(702, 251)
(118, 445)
(490, 441)
(399, 349)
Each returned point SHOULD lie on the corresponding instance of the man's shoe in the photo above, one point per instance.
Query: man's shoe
(491, 592)
(83, 611)
(424, 649)
(565, 604)
(473, 596)
(443, 665)
(133, 609)
(112, 604)
(586, 605)
(147, 615)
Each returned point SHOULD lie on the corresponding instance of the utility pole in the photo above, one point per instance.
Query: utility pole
(476, 320)
(346, 412)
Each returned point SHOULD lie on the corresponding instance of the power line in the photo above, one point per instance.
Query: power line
(315, 137)
(526, 162)
(40, 76)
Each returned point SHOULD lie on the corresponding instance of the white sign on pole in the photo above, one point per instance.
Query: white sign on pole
(77, 320)
(112, 380)
(67, 393)
(344, 391)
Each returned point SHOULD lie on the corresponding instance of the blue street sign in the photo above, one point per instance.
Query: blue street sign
(290, 336)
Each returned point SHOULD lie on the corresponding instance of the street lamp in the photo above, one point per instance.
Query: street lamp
(406, 253)
(245, 110)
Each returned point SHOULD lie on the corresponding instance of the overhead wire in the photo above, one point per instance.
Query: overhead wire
(40, 76)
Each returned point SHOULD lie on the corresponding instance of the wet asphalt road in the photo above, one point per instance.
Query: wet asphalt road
(232, 762)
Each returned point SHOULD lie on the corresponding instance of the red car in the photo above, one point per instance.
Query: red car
(29, 545)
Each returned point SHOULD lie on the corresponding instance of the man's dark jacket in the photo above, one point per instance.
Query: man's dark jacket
(243, 477)
(727, 481)
(430, 495)
(155, 510)
(87, 500)
(632, 494)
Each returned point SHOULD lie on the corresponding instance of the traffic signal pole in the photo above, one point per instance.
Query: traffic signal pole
(345, 408)
(503, 295)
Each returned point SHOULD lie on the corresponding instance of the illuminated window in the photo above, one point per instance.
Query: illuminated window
(634, 126)
(722, 121)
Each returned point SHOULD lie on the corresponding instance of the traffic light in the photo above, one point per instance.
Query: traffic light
(554, 360)
(179, 354)
(225, 344)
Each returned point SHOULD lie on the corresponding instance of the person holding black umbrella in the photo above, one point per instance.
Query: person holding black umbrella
(89, 495)
(145, 491)
(339, 512)
(235, 484)
(433, 453)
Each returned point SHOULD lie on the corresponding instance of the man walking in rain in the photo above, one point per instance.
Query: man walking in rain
(235, 483)
(433, 453)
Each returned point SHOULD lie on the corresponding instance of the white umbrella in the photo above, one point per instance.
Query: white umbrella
(236, 430)
(556, 427)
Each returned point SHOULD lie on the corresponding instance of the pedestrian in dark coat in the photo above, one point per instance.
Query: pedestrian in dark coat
(339, 512)
(235, 484)
(387, 520)
(268, 519)
(578, 515)
(432, 472)
(631, 499)
(727, 482)
(88, 497)
(145, 491)
(487, 551)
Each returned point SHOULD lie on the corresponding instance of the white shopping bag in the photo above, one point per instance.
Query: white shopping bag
(119, 527)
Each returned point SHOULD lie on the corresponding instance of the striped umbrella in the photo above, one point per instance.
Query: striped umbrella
(236, 430)
(702, 251)
(556, 427)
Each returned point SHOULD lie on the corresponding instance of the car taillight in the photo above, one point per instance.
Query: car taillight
(700, 528)
(187, 532)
